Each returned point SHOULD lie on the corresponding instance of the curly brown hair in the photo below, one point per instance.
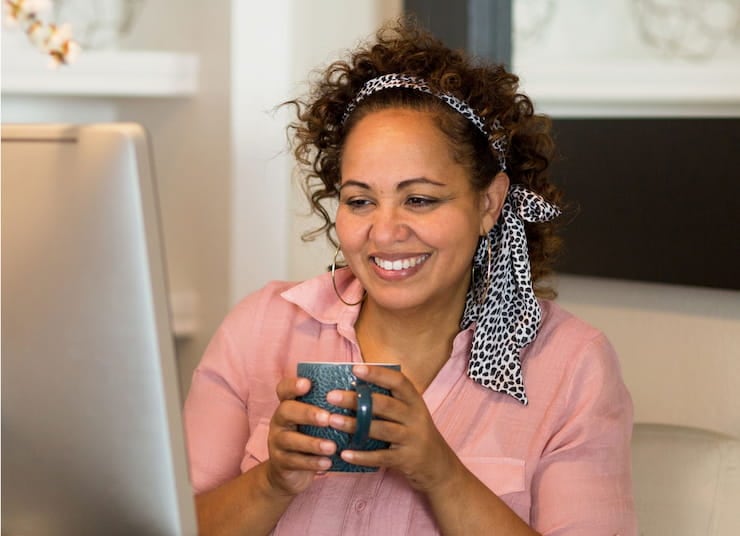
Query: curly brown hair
(405, 47)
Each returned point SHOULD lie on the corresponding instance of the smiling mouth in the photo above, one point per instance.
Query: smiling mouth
(400, 264)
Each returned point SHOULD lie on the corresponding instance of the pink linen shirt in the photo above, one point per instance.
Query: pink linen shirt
(562, 463)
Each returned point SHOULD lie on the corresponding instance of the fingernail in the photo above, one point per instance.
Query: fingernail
(361, 370)
(327, 447)
(334, 397)
(348, 455)
(336, 421)
(302, 383)
(324, 463)
(322, 418)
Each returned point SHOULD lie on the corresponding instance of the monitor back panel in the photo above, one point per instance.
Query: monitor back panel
(92, 438)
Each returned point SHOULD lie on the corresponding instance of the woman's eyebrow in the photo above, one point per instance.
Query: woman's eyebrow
(416, 181)
(400, 186)
(357, 184)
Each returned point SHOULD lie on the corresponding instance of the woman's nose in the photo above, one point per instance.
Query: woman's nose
(389, 226)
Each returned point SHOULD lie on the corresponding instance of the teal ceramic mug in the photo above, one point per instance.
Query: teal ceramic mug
(328, 376)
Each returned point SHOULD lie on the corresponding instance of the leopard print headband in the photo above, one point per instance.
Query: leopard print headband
(396, 80)
(501, 300)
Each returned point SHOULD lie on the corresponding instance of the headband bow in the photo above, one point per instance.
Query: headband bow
(501, 299)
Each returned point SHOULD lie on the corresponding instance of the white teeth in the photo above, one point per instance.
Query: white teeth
(404, 264)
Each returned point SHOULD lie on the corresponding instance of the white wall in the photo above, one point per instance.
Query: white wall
(192, 149)
(329, 43)
(268, 207)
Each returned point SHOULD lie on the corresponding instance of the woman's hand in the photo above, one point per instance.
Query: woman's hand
(296, 458)
(417, 450)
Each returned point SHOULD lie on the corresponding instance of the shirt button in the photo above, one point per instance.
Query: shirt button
(360, 505)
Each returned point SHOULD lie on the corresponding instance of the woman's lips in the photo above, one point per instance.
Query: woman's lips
(397, 265)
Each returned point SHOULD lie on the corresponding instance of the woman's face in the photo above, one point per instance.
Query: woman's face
(408, 218)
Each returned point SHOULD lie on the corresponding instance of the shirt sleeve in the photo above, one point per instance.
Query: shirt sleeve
(583, 483)
(215, 414)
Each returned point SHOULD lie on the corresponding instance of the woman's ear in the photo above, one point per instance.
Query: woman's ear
(492, 200)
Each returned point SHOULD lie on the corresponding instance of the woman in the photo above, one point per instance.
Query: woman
(509, 415)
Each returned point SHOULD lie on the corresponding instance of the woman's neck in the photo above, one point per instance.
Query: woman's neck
(421, 342)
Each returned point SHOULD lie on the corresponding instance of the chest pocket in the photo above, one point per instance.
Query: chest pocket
(255, 451)
(500, 475)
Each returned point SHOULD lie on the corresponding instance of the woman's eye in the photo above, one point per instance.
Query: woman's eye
(419, 201)
(357, 202)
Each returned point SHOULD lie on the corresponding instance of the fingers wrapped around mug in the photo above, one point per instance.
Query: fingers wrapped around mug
(387, 411)
(417, 448)
(291, 451)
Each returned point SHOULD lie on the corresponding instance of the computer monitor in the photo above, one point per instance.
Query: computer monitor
(92, 435)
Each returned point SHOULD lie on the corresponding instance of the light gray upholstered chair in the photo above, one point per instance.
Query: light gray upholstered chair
(686, 481)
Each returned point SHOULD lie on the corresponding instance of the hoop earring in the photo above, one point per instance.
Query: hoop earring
(334, 282)
(489, 272)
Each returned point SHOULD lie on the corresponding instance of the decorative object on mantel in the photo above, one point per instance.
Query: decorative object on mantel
(55, 41)
(99, 24)
(591, 59)
(691, 29)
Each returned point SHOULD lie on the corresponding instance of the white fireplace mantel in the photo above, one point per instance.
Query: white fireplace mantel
(109, 73)
(639, 88)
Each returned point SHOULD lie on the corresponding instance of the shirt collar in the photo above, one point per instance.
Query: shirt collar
(317, 297)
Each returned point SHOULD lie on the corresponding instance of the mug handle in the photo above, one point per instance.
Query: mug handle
(364, 415)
